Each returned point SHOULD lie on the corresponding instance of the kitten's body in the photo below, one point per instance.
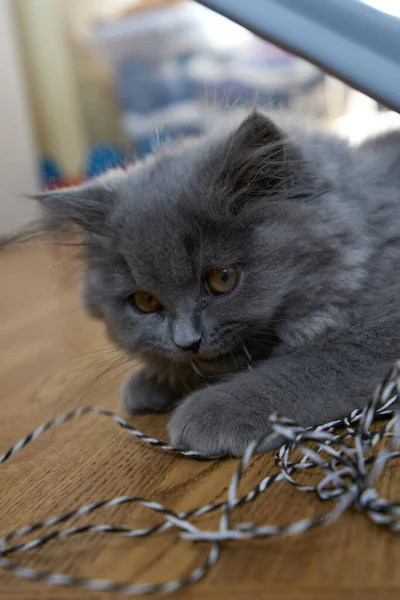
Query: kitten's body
(314, 321)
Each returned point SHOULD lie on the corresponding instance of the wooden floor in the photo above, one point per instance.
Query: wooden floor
(53, 359)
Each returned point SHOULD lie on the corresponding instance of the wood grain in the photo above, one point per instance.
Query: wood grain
(52, 359)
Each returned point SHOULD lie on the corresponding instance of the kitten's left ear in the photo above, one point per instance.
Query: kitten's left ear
(88, 205)
(257, 160)
(255, 132)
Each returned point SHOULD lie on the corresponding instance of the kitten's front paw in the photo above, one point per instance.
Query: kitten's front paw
(214, 422)
(141, 394)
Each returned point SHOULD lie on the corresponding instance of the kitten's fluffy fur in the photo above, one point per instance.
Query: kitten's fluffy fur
(313, 227)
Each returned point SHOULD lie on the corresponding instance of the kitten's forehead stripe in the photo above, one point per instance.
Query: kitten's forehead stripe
(193, 251)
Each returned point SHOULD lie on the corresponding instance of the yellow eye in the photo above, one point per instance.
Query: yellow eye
(221, 281)
(146, 302)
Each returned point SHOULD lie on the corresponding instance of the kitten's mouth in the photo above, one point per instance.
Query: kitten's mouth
(219, 363)
(207, 357)
(212, 358)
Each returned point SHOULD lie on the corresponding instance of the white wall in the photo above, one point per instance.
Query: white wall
(52, 82)
(18, 163)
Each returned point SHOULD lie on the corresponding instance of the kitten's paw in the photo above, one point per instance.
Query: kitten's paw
(141, 394)
(214, 422)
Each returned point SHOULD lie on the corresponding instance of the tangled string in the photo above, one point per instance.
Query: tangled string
(344, 452)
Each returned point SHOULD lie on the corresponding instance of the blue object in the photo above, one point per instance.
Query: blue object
(101, 158)
(50, 172)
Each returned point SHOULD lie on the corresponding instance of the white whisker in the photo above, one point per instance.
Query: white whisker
(248, 355)
(196, 369)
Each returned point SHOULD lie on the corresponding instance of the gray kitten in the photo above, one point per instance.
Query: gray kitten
(253, 271)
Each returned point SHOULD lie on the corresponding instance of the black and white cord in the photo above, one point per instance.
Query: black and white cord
(344, 452)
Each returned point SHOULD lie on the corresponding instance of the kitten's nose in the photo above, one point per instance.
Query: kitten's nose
(192, 345)
(186, 330)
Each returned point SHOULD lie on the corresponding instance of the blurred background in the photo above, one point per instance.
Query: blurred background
(89, 84)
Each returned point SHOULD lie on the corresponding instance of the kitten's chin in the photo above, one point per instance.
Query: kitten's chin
(221, 363)
(242, 357)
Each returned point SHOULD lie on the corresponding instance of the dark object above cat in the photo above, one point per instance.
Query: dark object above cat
(253, 271)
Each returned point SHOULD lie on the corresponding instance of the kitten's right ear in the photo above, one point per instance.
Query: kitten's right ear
(87, 205)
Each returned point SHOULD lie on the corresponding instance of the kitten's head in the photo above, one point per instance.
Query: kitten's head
(193, 253)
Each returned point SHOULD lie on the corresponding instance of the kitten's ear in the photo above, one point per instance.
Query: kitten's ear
(87, 205)
(255, 132)
(256, 160)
